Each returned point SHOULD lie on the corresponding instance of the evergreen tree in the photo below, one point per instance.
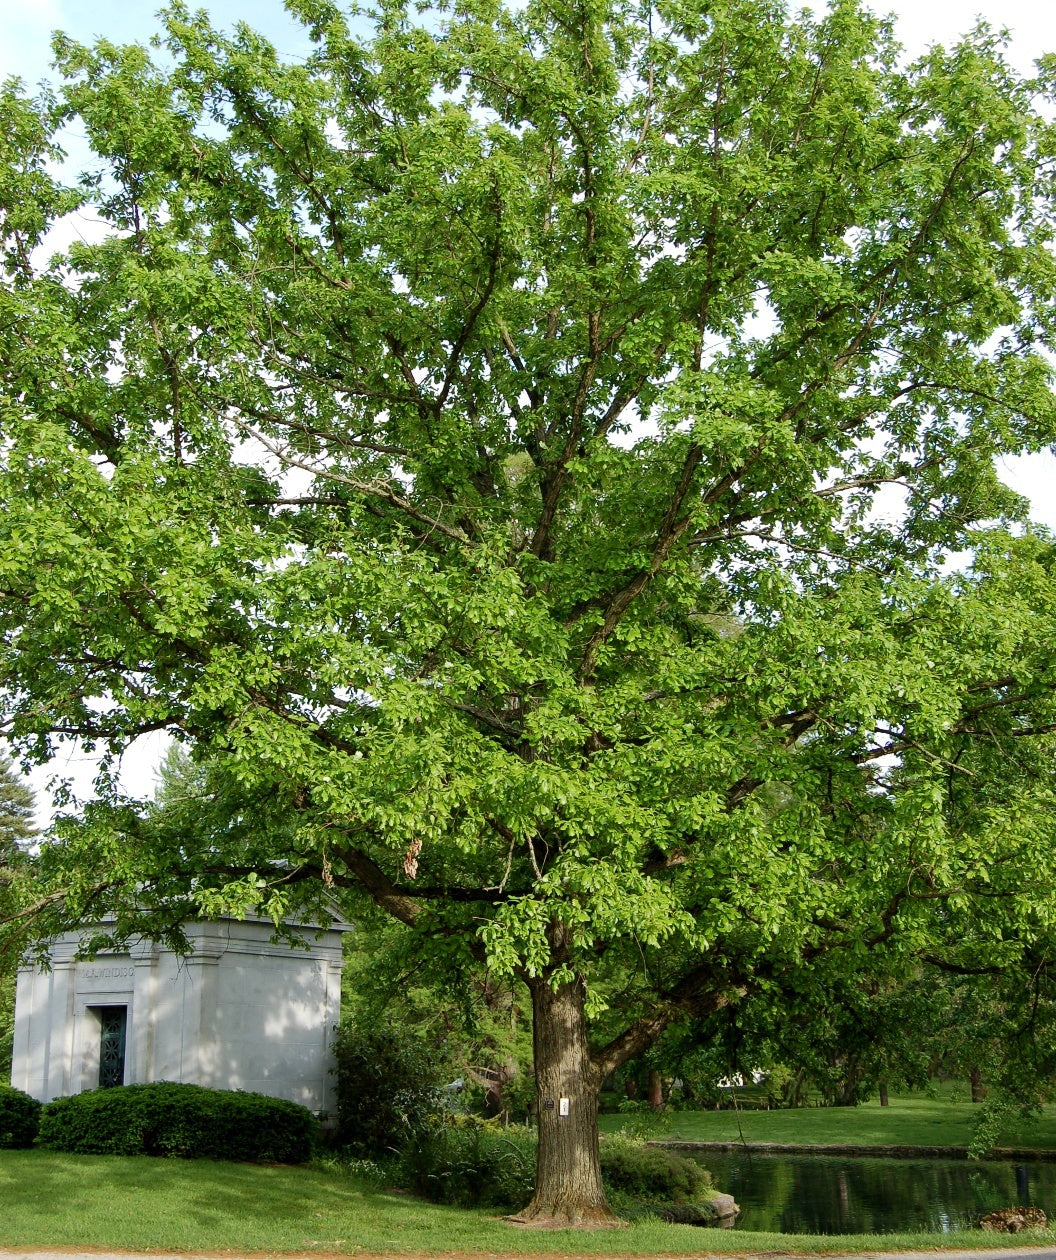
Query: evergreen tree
(17, 811)
(17, 808)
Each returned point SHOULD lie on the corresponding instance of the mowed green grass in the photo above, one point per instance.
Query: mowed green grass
(908, 1121)
(108, 1203)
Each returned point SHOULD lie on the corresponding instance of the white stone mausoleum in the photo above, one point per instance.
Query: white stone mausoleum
(240, 1012)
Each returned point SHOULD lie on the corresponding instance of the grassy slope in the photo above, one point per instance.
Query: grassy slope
(51, 1200)
(912, 1121)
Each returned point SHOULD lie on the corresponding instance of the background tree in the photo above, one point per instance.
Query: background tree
(17, 829)
(470, 441)
(477, 1027)
(829, 1036)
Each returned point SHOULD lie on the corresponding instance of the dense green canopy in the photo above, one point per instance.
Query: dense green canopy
(515, 449)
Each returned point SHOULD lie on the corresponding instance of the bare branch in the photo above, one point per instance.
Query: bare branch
(377, 490)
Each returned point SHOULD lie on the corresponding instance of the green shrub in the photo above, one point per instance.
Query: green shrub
(689, 1214)
(19, 1118)
(650, 1175)
(387, 1090)
(188, 1121)
(382, 1174)
(471, 1163)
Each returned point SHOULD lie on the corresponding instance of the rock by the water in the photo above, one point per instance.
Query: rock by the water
(1011, 1220)
(724, 1206)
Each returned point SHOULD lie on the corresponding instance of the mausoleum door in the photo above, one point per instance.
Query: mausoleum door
(113, 1023)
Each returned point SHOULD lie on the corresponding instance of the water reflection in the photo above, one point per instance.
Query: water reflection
(818, 1194)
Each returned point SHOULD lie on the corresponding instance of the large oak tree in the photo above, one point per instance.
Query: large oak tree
(515, 448)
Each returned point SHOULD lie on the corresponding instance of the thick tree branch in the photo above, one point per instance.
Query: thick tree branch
(671, 530)
(692, 995)
(373, 880)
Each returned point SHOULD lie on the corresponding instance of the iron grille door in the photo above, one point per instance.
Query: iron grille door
(114, 1024)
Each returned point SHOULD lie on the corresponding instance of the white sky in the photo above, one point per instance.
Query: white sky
(25, 32)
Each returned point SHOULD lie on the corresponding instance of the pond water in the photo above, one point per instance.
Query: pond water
(820, 1194)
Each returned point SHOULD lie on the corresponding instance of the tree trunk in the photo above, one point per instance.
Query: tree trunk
(883, 1094)
(568, 1189)
(846, 1091)
(794, 1091)
(975, 1079)
(493, 1108)
(656, 1089)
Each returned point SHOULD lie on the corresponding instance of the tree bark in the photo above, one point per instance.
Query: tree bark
(845, 1093)
(883, 1094)
(975, 1080)
(568, 1187)
(656, 1089)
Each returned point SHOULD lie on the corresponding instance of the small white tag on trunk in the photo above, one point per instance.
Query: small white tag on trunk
(562, 1106)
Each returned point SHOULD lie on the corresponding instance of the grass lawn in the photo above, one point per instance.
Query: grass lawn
(912, 1120)
(102, 1202)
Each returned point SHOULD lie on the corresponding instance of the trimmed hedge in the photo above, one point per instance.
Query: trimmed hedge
(182, 1121)
(19, 1118)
